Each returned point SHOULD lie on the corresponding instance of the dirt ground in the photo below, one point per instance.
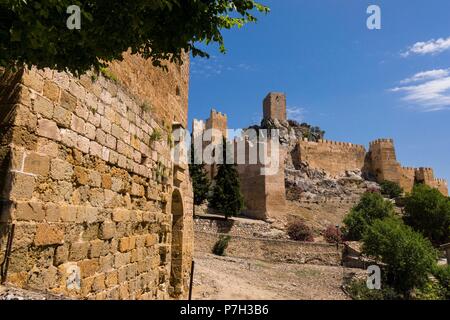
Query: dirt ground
(225, 278)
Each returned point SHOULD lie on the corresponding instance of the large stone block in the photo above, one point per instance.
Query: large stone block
(107, 230)
(47, 234)
(29, 211)
(36, 164)
(48, 129)
(79, 251)
(61, 170)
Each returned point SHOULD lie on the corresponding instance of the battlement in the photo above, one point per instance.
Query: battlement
(410, 169)
(425, 169)
(215, 113)
(381, 141)
(341, 144)
(443, 181)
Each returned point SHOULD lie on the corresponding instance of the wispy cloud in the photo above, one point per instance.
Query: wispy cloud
(429, 47)
(427, 75)
(296, 113)
(430, 91)
(215, 66)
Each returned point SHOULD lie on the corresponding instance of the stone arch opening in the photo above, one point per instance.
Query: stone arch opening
(176, 269)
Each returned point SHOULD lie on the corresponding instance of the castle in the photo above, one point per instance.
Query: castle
(92, 205)
(265, 196)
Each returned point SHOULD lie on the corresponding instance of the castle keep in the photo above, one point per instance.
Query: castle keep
(99, 209)
(265, 195)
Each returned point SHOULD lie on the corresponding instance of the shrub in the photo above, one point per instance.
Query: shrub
(372, 206)
(428, 212)
(299, 231)
(391, 189)
(221, 245)
(358, 290)
(408, 256)
(333, 234)
(442, 275)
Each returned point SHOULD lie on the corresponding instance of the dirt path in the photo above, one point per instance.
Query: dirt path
(224, 278)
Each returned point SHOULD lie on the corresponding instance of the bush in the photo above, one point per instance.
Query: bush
(333, 234)
(442, 275)
(221, 245)
(408, 256)
(371, 207)
(299, 231)
(358, 290)
(391, 189)
(428, 212)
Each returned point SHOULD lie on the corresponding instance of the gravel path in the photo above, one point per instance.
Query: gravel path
(224, 278)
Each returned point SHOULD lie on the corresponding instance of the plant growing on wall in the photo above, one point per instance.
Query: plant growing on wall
(155, 136)
(41, 33)
(226, 195)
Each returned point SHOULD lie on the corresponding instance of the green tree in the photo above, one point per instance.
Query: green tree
(391, 189)
(200, 182)
(408, 256)
(428, 211)
(226, 197)
(35, 32)
(372, 206)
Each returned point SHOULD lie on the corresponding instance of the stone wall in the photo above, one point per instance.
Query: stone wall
(264, 194)
(382, 164)
(89, 185)
(272, 250)
(333, 157)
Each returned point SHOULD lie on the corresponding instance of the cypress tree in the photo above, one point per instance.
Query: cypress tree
(226, 197)
(200, 182)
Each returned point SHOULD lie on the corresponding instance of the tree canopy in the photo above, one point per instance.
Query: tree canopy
(35, 32)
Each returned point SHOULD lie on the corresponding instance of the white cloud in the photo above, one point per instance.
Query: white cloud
(427, 75)
(429, 47)
(431, 91)
(295, 113)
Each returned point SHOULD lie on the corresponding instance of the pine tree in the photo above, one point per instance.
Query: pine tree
(226, 197)
(200, 182)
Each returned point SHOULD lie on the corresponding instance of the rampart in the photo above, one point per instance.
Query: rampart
(99, 209)
(333, 157)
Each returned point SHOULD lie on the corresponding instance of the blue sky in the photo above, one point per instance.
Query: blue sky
(356, 84)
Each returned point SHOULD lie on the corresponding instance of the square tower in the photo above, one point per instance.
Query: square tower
(274, 106)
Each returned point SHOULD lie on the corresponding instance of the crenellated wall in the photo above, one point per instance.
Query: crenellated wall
(100, 211)
(383, 165)
(333, 157)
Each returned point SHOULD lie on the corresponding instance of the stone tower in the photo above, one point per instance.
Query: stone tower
(384, 164)
(274, 106)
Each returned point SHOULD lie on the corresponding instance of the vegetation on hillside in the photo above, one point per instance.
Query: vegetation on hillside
(428, 212)
(403, 247)
(371, 207)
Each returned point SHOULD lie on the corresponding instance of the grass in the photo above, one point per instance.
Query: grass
(108, 74)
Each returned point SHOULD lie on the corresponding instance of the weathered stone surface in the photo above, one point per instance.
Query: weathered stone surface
(49, 129)
(51, 91)
(78, 251)
(61, 170)
(29, 211)
(107, 230)
(36, 164)
(47, 234)
(64, 132)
